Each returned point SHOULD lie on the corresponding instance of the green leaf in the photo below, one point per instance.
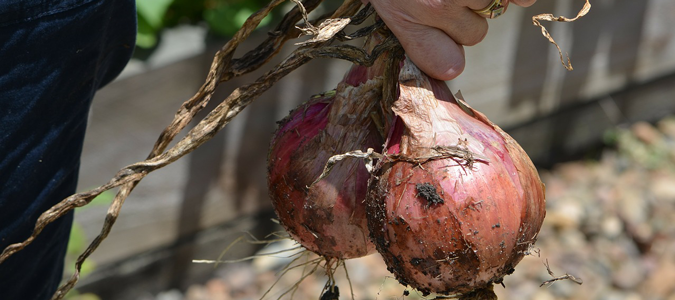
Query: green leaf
(146, 37)
(226, 18)
(150, 15)
(76, 240)
(104, 198)
(88, 267)
(86, 296)
(77, 243)
(153, 11)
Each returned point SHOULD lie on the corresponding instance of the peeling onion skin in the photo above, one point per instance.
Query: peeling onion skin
(327, 218)
(451, 225)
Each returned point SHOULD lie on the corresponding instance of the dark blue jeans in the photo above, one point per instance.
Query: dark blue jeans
(54, 55)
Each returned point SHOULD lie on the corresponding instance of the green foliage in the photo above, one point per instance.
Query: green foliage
(150, 14)
(223, 17)
(650, 156)
(76, 245)
(644, 145)
(104, 199)
(75, 295)
(226, 18)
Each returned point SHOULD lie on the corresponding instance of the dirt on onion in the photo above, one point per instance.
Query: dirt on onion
(327, 216)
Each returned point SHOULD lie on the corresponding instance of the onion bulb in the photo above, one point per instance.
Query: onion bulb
(455, 203)
(327, 216)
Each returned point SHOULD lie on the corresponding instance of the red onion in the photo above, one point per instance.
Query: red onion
(456, 202)
(327, 217)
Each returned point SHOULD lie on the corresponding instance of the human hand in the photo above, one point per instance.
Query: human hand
(433, 32)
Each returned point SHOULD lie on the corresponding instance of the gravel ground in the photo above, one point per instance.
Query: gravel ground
(610, 223)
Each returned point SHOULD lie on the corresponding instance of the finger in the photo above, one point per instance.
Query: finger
(524, 3)
(459, 22)
(464, 26)
(431, 49)
(475, 4)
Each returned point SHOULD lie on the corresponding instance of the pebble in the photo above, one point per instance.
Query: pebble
(659, 284)
(628, 274)
(612, 226)
(663, 189)
(170, 295)
(646, 133)
(667, 127)
(274, 262)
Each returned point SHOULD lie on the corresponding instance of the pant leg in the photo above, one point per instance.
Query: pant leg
(54, 55)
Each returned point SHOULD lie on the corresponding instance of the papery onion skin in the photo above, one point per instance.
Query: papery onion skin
(451, 224)
(327, 217)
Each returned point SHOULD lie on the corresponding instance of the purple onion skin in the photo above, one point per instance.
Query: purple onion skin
(327, 217)
(451, 224)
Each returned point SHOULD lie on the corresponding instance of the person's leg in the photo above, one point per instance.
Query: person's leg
(54, 55)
